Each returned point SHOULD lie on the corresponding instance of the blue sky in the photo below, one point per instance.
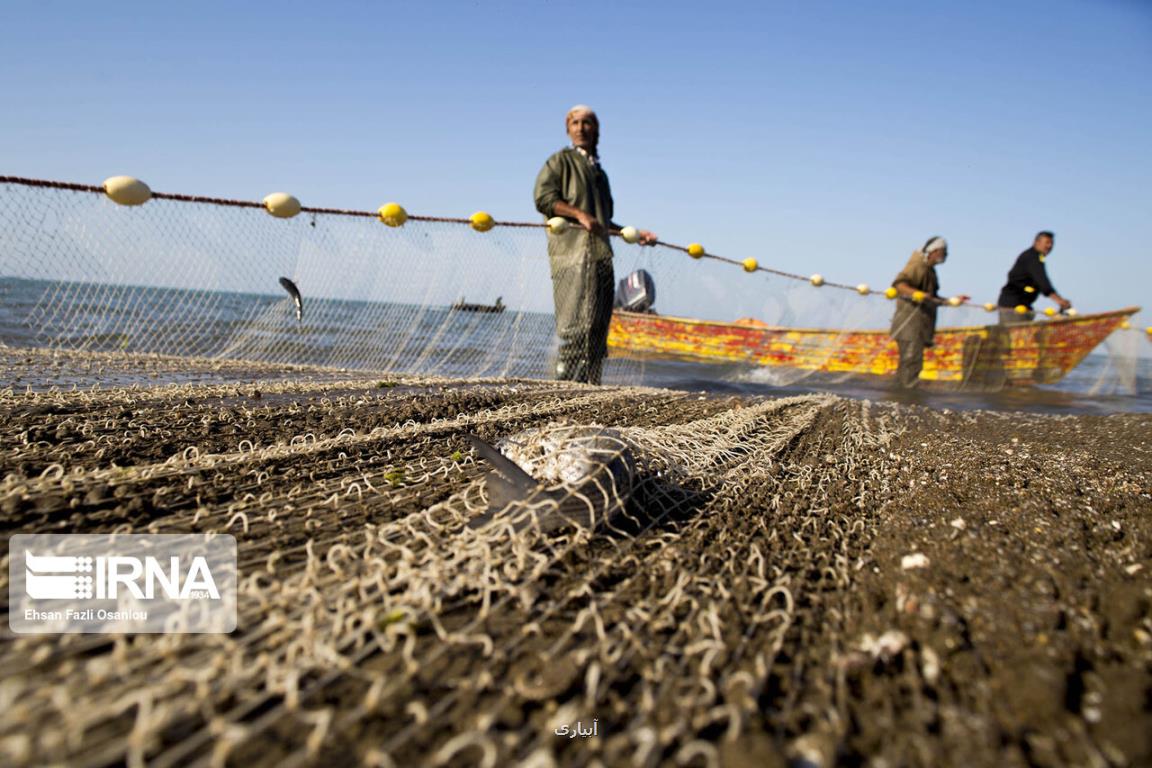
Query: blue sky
(821, 136)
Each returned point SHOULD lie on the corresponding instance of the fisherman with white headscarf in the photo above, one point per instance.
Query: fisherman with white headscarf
(918, 296)
(573, 185)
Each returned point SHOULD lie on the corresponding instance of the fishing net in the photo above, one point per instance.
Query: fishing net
(197, 277)
(717, 616)
(185, 278)
(375, 624)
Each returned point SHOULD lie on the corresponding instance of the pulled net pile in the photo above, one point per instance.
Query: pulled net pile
(808, 579)
(374, 622)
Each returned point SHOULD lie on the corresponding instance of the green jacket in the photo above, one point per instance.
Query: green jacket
(567, 176)
(916, 320)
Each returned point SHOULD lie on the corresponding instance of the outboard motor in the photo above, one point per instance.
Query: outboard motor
(636, 293)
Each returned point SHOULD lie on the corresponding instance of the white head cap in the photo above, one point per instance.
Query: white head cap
(579, 109)
(935, 244)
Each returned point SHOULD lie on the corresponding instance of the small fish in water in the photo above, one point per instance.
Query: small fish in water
(294, 292)
(581, 477)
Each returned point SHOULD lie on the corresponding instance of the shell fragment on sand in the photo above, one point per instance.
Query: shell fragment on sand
(914, 561)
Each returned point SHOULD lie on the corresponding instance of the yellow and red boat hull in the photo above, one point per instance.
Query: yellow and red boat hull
(1040, 352)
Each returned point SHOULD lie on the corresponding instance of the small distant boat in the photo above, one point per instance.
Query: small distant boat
(463, 306)
(987, 355)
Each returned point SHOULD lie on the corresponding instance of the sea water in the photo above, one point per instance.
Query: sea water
(1117, 377)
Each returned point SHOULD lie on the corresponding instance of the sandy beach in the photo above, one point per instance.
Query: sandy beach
(811, 580)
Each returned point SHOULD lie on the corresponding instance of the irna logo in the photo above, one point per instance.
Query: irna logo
(121, 583)
(53, 577)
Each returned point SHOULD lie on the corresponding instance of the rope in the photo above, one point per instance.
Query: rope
(44, 183)
(196, 276)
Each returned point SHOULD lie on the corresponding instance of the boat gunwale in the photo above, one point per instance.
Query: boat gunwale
(1127, 311)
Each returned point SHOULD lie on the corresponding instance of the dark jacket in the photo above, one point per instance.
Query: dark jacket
(1026, 281)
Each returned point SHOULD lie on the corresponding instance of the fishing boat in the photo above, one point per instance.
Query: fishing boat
(1040, 352)
(463, 306)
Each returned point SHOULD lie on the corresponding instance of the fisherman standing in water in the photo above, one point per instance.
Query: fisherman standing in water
(572, 185)
(914, 323)
(1027, 279)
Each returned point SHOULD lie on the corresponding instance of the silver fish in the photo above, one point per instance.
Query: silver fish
(294, 292)
(558, 477)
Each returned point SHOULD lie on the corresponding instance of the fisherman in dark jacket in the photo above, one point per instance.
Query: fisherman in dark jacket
(1027, 280)
(573, 185)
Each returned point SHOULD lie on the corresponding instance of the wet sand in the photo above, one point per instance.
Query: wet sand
(807, 581)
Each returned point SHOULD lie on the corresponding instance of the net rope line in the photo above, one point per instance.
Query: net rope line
(58, 316)
(102, 268)
(44, 183)
(227, 202)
